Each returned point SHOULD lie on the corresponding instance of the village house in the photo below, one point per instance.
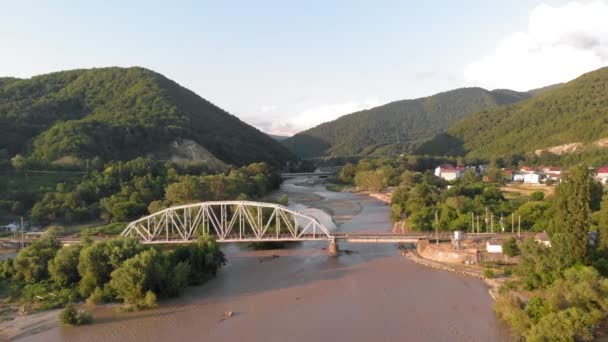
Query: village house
(526, 170)
(494, 246)
(508, 174)
(543, 238)
(553, 173)
(532, 178)
(518, 177)
(449, 172)
(602, 174)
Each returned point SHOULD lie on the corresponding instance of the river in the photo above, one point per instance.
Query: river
(371, 294)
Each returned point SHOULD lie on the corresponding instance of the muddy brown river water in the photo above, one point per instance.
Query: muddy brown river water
(372, 294)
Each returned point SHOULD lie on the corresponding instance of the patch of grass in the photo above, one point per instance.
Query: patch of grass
(112, 229)
(335, 187)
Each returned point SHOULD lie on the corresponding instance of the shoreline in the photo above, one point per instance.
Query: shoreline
(413, 255)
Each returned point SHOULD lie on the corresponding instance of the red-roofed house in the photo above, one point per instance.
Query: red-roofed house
(602, 174)
(526, 169)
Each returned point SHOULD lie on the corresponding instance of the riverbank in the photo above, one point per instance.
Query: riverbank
(493, 284)
(308, 295)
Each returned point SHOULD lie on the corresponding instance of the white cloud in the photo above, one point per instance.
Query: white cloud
(310, 117)
(560, 44)
(268, 108)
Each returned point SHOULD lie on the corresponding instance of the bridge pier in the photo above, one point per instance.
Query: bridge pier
(333, 250)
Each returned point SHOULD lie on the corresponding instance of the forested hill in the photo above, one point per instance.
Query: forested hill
(397, 126)
(121, 113)
(573, 113)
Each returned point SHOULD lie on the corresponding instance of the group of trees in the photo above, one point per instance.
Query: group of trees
(109, 270)
(120, 191)
(567, 280)
(418, 195)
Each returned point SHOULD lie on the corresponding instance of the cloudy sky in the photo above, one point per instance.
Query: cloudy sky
(285, 66)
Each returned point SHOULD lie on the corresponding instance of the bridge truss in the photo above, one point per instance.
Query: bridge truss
(227, 221)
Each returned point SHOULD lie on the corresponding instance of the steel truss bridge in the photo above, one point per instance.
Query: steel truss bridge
(227, 221)
(247, 221)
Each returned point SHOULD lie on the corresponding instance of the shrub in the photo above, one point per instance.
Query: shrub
(510, 248)
(488, 273)
(71, 316)
(537, 196)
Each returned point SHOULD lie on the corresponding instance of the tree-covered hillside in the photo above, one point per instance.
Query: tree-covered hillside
(119, 114)
(397, 126)
(575, 112)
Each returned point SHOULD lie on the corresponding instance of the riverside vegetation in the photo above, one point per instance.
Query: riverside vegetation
(46, 275)
(555, 293)
(120, 191)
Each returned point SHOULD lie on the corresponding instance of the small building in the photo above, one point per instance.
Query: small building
(551, 170)
(532, 178)
(527, 169)
(543, 238)
(494, 246)
(507, 175)
(602, 174)
(449, 172)
(518, 177)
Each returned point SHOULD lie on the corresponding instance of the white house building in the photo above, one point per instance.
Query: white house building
(543, 238)
(494, 246)
(449, 172)
(532, 178)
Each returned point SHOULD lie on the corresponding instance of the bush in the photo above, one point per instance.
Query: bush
(510, 248)
(488, 273)
(71, 316)
(537, 196)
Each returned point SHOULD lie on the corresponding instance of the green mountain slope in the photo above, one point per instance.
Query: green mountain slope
(396, 126)
(118, 113)
(574, 112)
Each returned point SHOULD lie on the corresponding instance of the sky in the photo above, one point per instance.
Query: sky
(285, 66)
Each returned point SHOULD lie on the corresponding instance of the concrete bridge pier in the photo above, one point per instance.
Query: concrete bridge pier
(333, 250)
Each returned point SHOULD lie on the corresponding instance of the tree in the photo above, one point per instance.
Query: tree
(602, 246)
(571, 220)
(18, 162)
(64, 267)
(137, 276)
(510, 248)
(31, 263)
(347, 174)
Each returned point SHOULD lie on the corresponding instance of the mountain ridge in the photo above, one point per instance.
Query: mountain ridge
(398, 125)
(120, 113)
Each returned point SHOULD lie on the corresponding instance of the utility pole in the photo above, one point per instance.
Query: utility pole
(491, 222)
(472, 222)
(486, 219)
(512, 223)
(519, 226)
(502, 224)
(477, 224)
(22, 242)
(436, 228)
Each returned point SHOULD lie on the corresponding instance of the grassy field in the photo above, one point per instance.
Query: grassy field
(518, 189)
